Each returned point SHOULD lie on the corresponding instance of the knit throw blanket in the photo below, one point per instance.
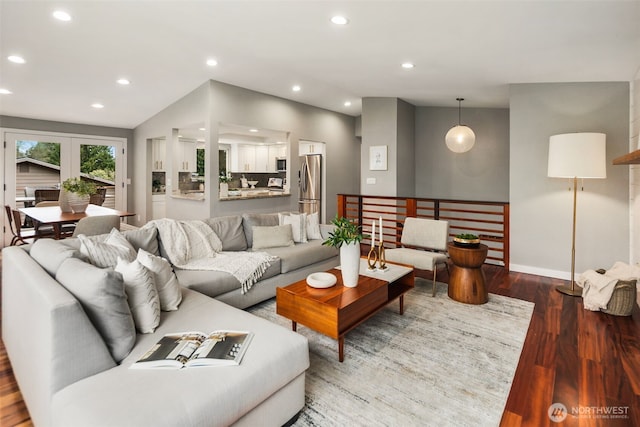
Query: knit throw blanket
(598, 288)
(193, 245)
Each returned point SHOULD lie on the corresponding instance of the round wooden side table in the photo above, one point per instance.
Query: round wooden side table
(466, 282)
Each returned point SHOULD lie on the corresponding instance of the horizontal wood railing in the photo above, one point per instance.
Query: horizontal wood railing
(488, 220)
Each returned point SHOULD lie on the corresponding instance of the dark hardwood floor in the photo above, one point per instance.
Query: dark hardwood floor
(588, 361)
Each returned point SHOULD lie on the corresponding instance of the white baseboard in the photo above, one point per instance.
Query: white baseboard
(557, 274)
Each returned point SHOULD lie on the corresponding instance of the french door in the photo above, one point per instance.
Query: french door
(44, 160)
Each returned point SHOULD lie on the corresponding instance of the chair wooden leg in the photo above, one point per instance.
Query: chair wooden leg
(433, 290)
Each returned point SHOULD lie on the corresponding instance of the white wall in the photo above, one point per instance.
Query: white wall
(634, 170)
(541, 207)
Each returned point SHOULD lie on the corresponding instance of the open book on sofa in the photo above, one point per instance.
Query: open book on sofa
(184, 349)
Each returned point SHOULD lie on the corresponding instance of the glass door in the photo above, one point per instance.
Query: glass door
(42, 161)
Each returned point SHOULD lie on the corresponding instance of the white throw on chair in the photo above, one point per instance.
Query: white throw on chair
(93, 225)
(424, 244)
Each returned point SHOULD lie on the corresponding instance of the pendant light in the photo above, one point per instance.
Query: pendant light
(460, 138)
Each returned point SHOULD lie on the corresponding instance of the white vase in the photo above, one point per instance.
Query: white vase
(63, 199)
(224, 189)
(77, 202)
(350, 264)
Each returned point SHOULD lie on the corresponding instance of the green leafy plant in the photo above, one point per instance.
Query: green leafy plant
(78, 186)
(225, 178)
(345, 232)
(466, 236)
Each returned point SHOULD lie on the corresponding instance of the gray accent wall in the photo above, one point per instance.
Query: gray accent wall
(215, 102)
(481, 173)
(388, 122)
(541, 207)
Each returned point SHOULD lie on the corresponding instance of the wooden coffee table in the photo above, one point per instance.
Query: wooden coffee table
(336, 310)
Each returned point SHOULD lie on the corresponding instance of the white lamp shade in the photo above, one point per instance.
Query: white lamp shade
(460, 139)
(581, 155)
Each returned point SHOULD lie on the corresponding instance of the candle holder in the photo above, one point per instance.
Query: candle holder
(372, 259)
(383, 262)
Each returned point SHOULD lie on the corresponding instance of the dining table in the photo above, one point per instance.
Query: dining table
(53, 215)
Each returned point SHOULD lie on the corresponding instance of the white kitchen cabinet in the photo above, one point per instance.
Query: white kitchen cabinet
(188, 162)
(246, 158)
(275, 152)
(262, 158)
(158, 206)
(158, 154)
(308, 147)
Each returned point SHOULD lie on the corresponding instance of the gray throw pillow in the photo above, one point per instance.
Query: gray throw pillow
(229, 230)
(101, 293)
(272, 237)
(257, 220)
(51, 253)
(143, 238)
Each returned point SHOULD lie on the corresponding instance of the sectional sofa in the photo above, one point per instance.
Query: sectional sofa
(72, 365)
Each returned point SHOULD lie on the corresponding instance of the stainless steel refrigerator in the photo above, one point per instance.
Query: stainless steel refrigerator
(310, 183)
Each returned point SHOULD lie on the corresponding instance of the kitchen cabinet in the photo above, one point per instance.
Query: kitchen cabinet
(308, 147)
(188, 162)
(275, 152)
(158, 154)
(262, 158)
(246, 159)
(158, 206)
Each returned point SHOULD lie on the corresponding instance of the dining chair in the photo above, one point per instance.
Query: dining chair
(17, 235)
(424, 245)
(93, 225)
(98, 198)
(44, 194)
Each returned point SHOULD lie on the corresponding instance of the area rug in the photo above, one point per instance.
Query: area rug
(442, 363)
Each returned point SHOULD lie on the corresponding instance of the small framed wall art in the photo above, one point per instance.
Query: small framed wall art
(378, 158)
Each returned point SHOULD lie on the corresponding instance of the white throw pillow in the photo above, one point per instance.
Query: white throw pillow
(313, 226)
(272, 237)
(298, 226)
(106, 254)
(142, 295)
(165, 280)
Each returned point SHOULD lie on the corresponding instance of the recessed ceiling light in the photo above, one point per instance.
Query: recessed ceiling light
(212, 62)
(339, 20)
(61, 15)
(347, 103)
(16, 59)
(97, 105)
(123, 82)
(296, 88)
(4, 91)
(253, 130)
(202, 129)
(407, 65)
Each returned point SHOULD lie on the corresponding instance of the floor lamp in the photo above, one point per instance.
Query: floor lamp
(576, 155)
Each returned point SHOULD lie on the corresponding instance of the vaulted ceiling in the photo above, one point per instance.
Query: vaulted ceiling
(470, 49)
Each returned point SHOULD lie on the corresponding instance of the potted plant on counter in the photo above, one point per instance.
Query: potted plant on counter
(224, 184)
(77, 194)
(346, 236)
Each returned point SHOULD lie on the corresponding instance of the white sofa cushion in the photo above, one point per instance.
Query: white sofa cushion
(272, 237)
(101, 294)
(164, 278)
(106, 254)
(298, 225)
(142, 295)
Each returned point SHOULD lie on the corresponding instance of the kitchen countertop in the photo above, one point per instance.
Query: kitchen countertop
(257, 193)
(192, 195)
